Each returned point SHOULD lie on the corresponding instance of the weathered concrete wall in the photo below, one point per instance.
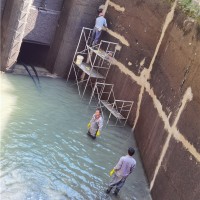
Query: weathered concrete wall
(22, 20)
(57, 42)
(6, 34)
(43, 26)
(2, 4)
(159, 68)
(42, 21)
(75, 15)
(49, 4)
(13, 25)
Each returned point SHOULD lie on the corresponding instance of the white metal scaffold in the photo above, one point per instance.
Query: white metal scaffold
(120, 109)
(96, 63)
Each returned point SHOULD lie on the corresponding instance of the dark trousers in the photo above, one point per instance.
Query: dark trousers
(119, 184)
(116, 182)
(95, 36)
(93, 137)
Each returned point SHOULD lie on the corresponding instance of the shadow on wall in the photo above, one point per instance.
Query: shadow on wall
(33, 53)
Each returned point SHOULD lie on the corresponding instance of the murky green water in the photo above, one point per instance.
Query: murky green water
(45, 151)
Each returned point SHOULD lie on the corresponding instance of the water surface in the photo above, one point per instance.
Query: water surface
(45, 151)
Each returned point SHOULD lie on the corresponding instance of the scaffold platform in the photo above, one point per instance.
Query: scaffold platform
(93, 70)
(96, 61)
(120, 109)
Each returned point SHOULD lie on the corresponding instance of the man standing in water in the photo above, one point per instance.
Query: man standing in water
(96, 124)
(121, 171)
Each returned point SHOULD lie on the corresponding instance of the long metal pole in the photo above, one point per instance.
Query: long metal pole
(128, 113)
(75, 54)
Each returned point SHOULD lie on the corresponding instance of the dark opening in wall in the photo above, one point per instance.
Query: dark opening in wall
(33, 54)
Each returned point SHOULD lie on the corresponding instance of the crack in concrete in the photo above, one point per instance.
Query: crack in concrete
(184, 78)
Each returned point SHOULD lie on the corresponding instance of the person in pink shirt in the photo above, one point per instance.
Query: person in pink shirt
(121, 171)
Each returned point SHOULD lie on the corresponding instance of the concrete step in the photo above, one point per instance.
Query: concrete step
(42, 72)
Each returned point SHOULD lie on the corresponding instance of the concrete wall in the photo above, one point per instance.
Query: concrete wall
(26, 20)
(43, 26)
(159, 68)
(49, 4)
(12, 29)
(75, 15)
(42, 21)
(2, 4)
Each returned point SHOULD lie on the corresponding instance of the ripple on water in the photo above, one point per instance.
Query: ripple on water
(46, 153)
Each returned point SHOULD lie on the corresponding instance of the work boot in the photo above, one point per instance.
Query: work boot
(108, 190)
(116, 192)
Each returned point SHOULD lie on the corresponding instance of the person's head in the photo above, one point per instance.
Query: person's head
(131, 151)
(101, 14)
(100, 10)
(98, 112)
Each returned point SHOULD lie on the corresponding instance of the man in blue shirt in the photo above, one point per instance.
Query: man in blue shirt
(99, 24)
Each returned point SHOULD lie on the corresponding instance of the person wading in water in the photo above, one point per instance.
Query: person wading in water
(95, 125)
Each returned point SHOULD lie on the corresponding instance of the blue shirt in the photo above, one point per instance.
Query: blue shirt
(100, 22)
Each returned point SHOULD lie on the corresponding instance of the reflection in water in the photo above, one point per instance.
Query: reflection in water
(46, 153)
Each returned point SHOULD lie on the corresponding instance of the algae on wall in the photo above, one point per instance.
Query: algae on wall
(190, 7)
